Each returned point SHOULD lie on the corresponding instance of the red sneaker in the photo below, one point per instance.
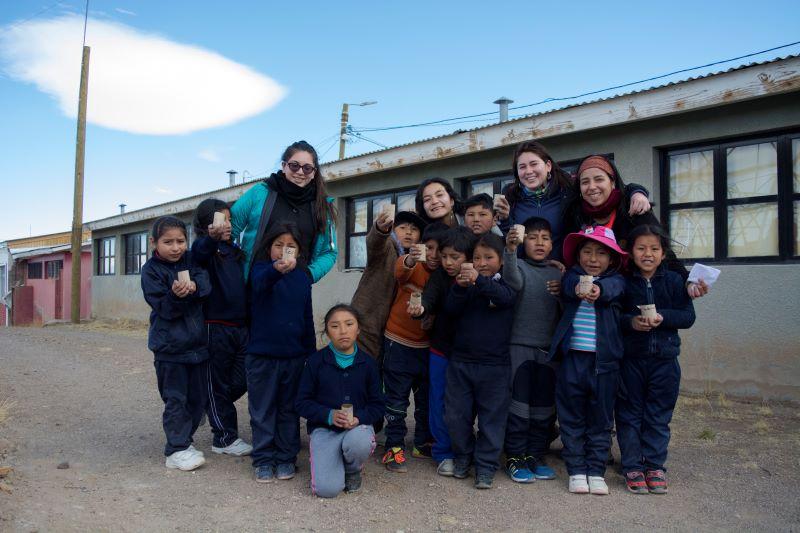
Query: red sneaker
(635, 482)
(656, 481)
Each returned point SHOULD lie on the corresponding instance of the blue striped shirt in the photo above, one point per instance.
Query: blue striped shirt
(584, 328)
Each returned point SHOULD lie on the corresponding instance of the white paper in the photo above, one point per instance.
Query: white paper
(706, 273)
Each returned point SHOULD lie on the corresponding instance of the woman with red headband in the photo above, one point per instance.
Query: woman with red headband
(599, 200)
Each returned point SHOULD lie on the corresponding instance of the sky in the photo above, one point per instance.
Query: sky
(182, 91)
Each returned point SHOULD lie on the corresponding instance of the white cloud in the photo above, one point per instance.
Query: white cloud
(138, 82)
(124, 11)
(162, 190)
(209, 154)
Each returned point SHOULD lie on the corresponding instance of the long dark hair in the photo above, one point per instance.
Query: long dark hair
(561, 180)
(419, 204)
(323, 209)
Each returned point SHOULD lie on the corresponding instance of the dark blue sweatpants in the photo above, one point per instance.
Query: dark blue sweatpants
(585, 406)
(227, 380)
(438, 384)
(271, 392)
(485, 390)
(182, 387)
(405, 370)
(644, 409)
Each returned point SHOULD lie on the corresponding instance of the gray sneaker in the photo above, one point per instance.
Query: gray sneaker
(352, 482)
(285, 471)
(446, 468)
(483, 481)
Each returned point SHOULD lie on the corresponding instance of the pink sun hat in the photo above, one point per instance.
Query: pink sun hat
(601, 234)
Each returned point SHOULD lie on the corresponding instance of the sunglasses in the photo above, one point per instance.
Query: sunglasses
(294, 166)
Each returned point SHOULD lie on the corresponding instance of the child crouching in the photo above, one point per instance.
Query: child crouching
(340, 398)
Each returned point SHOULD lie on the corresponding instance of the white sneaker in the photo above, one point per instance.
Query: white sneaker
(238, 448)
(578, 484)
(195, 451)
(597, 485)
(185, 460)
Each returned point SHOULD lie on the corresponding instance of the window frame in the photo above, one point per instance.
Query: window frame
(39, 264)
(784, 199)
(47, 269)
(130, 269)
(101, 257)
(351, 219)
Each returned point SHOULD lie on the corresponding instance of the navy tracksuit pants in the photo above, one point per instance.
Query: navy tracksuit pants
(227, 380)
(532, 412)
(182, 387)
(644, 409)
(271, 392)
(405, 370)
(437, 369)
(585, 405)
(483, 389)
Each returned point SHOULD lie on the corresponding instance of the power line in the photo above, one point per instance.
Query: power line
(449, 121)
(41, 12)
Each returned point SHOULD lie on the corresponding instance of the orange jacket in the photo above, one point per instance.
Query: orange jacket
(401, 327)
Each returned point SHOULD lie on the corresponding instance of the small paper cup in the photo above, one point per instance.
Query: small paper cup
(422, 252)
(519, 229)
(390, 210)
(347, 408)
(416, 299)
(648, 311)
(497, 198)
(585, 284)
(289, 253)
(183, 275)
(467, 266)
(219, 219)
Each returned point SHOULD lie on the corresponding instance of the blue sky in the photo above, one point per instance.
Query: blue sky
(421, 61)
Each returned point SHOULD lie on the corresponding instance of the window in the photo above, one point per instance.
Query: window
(135, 252)
(361, 213)
(106, 256)
(52, 269)
(35, 270)
(734, 201)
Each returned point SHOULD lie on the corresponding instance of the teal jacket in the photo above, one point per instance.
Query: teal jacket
(245, 219)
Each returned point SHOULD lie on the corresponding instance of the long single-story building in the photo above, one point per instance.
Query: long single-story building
(720, 154)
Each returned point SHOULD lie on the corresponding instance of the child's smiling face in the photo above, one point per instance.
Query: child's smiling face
(538, 244)
(486, 260)
(594, 258)
(647, 254)
(432, 259)
(451, 260)
(478, 219)
(407, 234)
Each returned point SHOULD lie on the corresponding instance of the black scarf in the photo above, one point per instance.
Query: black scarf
(293, 194)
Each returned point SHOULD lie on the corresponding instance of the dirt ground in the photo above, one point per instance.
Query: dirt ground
(86, 395)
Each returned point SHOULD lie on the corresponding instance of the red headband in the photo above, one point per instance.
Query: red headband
(597, 161)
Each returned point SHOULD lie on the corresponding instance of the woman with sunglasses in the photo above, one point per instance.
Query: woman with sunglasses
(295, 194)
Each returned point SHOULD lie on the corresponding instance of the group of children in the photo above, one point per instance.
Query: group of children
(472, 323)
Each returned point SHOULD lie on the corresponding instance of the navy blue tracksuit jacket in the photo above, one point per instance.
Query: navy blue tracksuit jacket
(650, 370)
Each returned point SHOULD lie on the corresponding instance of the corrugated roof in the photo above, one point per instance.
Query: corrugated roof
(578, 104)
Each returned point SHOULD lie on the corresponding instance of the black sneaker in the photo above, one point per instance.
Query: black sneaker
(461, 471)
(352, 482)
(424, 451)
(483, 481)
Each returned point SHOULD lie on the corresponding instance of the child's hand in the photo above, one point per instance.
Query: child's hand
(181, 288)
(414, 254)
(513, 240)
(697, 290)
(220, 233)
(284, 266)
(554, 287)
(383, 222)
(558, 264)
(655, 322)
(340, 419)
(640, 323)
(192, 287)
(639, 204)
(467, 277)
(502, 208)
(593, 295)
(415, 310)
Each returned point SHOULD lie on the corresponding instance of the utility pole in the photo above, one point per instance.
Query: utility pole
(343, 130)
(77, 206)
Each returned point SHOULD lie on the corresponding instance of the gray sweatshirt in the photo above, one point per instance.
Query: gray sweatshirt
(537, 312)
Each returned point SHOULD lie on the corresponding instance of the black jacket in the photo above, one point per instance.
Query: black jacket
(667, 291)
(228, 298)
(177, 328)
(484, 314)
(443, 329)
(324, 385)
(607, 307)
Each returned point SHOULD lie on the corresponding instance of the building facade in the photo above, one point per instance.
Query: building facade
(719, 154)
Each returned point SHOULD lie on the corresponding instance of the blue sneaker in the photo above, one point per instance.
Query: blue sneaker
(539, 468)
(265, 474)
(518, 471)
(285, 471)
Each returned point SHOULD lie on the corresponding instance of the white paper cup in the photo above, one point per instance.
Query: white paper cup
(648, 311)
(183, 275)
(422, 252)
(497, 198)
(416, 299)
(219, 219)
(347, 408)
(519, 229)
(467, 266)
(289, 253)
(390, 210)
(585, 284)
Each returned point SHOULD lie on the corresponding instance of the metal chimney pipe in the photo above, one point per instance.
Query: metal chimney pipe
(503, 103)
(232, 176)
(122, 208)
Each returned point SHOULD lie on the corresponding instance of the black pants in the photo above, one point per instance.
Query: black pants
(644, 410)
(483, 389)
(182, 387)
(405, 370)
(532, 412)
(585, 401)
(271, 391)
(227, 380)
